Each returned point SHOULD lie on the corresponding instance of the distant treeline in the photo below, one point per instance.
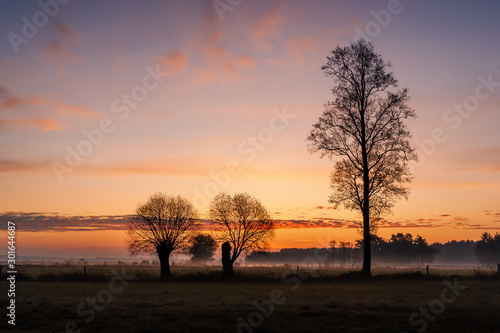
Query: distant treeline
(401, 249)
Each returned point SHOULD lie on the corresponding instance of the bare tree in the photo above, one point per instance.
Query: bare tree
(243, 222)
(162, 225)
(364, 126)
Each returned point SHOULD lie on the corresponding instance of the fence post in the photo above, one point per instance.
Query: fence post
(1, 266)
(84, 270)
(297, 270)
(498, 266)
(427, 270)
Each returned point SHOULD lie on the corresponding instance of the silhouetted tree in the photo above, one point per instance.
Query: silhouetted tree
(345, 252)
(488, 249)
(162, 225)
(364, 126)
(400, 248)
(242, 221)
(332, 251)
(258, 256)
(456, 252)
(202, 248)
(424, 253)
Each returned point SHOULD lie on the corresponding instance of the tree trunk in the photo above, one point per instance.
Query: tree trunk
(367, 256)
(164, 256)
(366, 202)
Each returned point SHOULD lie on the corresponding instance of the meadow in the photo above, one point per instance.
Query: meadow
(111, 298)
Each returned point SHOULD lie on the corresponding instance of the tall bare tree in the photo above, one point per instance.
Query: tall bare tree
(364, 127)
(162, 225)
(242, 221)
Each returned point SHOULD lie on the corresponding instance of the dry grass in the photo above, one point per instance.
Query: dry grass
(316, 304)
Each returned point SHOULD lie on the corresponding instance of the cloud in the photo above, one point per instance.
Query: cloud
(65, 108)
(493, 213)
(219, 64)
(58, 49)
(64, 30)
(302, 47)
(265, 30)
(427, 220)
(7, 165)
(182, 166)
(39, 222)
(316, 223)
(9, 101)
(174, 62)
(35, 222)
(43, 124)
(24, 105)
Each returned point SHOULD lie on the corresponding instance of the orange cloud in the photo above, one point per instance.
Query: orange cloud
(265, 30)
(44, 124)
(220, 64)
(6, 165)
(300, 47)
(170, 167)
(65, 108)
(9, 101)
(175, 62)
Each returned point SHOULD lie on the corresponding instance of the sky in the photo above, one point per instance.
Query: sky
(105, 103)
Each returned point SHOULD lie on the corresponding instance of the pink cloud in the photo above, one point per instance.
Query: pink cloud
(174, 62)
(265, 30)
(65, 108)
(301, 47)
(9, 101)
(58, 50)
(219, 63)
(64, 30)
(44, 124)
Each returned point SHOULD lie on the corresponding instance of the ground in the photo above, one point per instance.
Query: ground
(258, 300)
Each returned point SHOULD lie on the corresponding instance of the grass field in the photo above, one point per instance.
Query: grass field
(257, 300)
